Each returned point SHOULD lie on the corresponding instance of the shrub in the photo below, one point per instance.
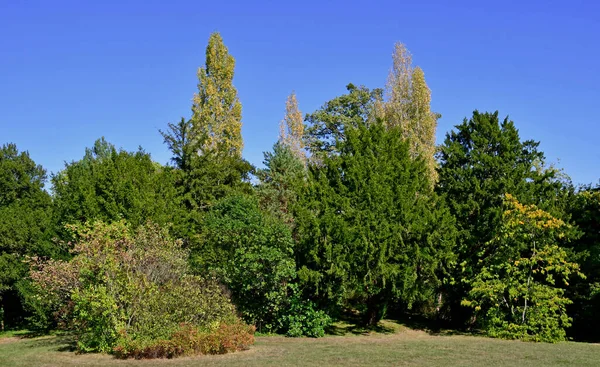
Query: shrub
(302, 319)
(189, 340)
(134, 284)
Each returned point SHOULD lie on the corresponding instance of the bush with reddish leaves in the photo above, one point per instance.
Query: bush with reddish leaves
(189, 340)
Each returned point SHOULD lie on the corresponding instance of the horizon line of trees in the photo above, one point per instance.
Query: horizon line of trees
(356, 214)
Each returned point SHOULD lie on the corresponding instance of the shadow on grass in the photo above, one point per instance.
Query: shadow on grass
(58, 342)
(351, 324)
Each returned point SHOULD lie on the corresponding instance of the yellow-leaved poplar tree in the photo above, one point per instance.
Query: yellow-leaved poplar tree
(217, 111)
(408, 106)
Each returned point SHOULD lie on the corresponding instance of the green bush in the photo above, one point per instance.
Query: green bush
(123, 283)
(302, 319)
(252, 254)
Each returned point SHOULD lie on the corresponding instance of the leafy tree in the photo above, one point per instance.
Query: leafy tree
(207, 149)
(519, 292)
(371, 232)
(252, 253)
(217, 111)
(327, 125)
(25, 225)
(481, 160)
(110, 184)
(408, 106)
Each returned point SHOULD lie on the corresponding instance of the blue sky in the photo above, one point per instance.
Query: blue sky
(73, 71)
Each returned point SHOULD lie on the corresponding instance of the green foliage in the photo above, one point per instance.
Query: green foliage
(123, 282)
(519, 292)
(585, 214)
(280, 182)
(25, 225)
(327, 125)
(302, 318)
(110, 185)
(372, 233)
(253, 254)
(482, 159)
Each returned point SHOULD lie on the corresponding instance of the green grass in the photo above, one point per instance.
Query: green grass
(392, 344)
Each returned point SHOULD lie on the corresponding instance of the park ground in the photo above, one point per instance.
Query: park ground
(392, 345)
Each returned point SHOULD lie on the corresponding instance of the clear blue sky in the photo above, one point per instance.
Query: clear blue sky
(73, 71)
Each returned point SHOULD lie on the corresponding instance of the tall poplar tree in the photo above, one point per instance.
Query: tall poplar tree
(217, 111)
(291, 129)
(207, 148)
(408, 106)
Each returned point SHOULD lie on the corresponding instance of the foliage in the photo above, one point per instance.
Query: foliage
(110, 184)
(217, 111)
(119, 282)
(302, 318)
(188, 340)
(291, 129)
(327, 125)
(371, 231)
(253, 254)
(408, 108)
(585, 214)
(519, 291)
(281, 182)
(482, 159)
(25, 225)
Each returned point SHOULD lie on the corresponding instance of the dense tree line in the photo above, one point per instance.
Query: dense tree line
(355, 213)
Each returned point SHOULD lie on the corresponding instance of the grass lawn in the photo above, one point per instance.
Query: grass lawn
(396, 347)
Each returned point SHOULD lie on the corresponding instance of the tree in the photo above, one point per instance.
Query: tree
(408, 106)
(252, 253)
(291, 129)
(327, 125)
(585, 214)
(179, 139)
(217, 111)
(280, 182)
(520, 291)
(371, 233)
(207, 149)
(25, 226)
(481, 160)
(109, 184)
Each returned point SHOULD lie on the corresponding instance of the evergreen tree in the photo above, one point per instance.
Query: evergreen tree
(281, 181)
(585, 214)
(409, 107)
(481, 160)
(25, 226)
(109, 184)
(371, 232)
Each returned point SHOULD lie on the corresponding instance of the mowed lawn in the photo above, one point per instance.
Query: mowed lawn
(402, 348)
